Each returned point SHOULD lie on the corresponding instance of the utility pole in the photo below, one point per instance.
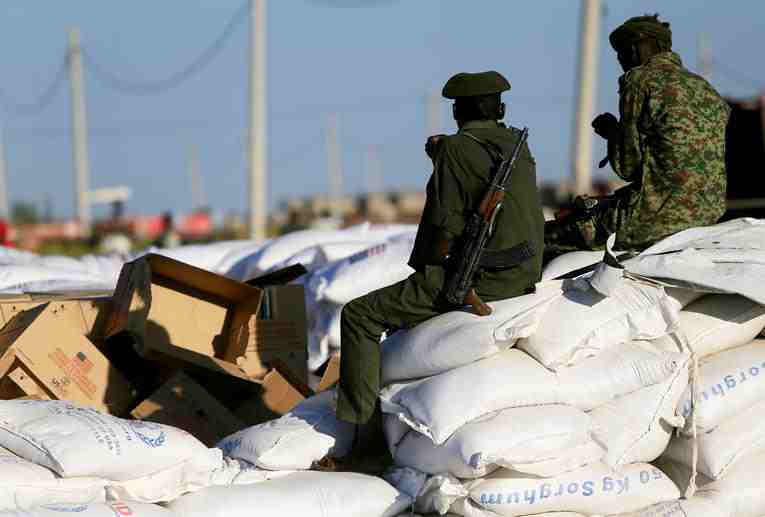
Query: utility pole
(704, 56)
(587, 76)
(257, 135)
(433, 113)
(80, 132)
(334, 166)
(195, 178)
(4, 209)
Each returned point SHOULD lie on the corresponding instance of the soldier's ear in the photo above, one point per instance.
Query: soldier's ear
(501, 110)
(454, 111)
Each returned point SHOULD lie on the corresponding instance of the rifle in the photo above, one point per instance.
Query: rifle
(478, 230)
(581, 209)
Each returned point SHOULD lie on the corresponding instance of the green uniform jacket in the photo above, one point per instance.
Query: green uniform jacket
(461, 176)
(672, 148)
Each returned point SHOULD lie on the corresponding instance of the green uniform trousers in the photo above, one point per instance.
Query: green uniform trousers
(364, 320)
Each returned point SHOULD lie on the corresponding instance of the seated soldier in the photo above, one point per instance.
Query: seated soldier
(669, 142)
(463, 164)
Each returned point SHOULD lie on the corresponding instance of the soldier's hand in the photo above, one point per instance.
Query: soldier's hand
(431, 144)
(606, 125)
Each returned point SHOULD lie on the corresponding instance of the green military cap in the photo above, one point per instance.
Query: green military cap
(638, 28)
(469, 85)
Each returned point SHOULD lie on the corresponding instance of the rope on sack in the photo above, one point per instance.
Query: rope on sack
(695, 382)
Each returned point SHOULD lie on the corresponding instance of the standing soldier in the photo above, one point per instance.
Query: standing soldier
(669, 143)
(463, 164)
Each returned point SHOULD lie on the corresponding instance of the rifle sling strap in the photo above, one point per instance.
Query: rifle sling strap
(495, 151)
(507, 257)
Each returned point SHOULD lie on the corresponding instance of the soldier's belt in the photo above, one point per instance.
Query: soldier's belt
(507, 257)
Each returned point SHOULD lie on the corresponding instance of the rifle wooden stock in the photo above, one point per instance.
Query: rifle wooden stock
(479, 306)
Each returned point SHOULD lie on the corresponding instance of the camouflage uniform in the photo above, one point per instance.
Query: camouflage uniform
(671, 147)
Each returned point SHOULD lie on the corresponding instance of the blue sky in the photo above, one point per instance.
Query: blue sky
(372, 65)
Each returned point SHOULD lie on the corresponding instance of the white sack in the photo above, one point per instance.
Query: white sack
(720, 448)
(112, 509)
(458, 338)
(40, 279)
(296, 440)
(718, 322)
(740, 492)
(730, 382)
(320, 255)
(145, 461)
(540, 440)
(583, 322)
(693, 507)
(622, 369)
(439, 405)
(323, 332)
(596, 489)
(325, 494)
(728, 257)
(277, 251)
(217, 257)
(373, 268)
(638, 426)
(24, 485)
(569, 262)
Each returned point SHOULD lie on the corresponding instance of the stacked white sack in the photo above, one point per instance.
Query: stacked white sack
(458, 338)
(437, 406)
(539, 440)
(727, 257)
(330, 494)
(110, 509)
(593, 490)
(306, 434)
(585, 321)
(25, 485)
(277, 252)
(729, 392)
(140, 461)
(636, 427)
(738, 494)
(331, 287)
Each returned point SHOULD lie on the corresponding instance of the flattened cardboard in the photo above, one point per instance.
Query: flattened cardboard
(183, 403)
(42, 354)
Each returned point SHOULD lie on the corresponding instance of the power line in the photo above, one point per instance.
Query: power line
(42, 101)
(121, 85)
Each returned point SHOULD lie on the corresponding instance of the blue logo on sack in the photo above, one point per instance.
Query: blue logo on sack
(66, 509)
(151, 434)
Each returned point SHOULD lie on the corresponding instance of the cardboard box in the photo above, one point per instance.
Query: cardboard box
(331, 374)
(253, 400)
(164, 303)
(279, 332)
(43, 355)
(89, 316)
(183, 403)
(277, 397)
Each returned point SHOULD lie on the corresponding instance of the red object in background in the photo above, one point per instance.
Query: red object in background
(5, 230)
(195, 226)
